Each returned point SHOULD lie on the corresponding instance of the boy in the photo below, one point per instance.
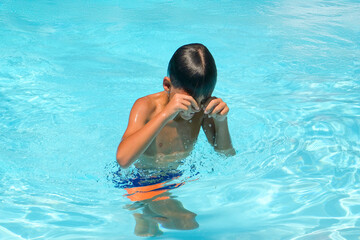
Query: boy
(164, 126)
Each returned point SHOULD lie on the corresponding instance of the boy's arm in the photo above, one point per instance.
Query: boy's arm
(139, 133)
(216, 128)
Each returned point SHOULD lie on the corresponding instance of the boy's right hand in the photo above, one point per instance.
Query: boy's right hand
(180, 103)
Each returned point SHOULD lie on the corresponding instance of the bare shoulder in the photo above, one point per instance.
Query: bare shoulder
(142, 111)
(143, 103)
(143, 106)
(148, 104)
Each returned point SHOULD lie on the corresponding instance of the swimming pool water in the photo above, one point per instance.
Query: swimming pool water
(289, 70)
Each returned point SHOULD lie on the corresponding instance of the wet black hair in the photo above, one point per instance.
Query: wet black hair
(192, 68)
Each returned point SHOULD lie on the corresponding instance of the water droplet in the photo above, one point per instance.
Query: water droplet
(209, 125)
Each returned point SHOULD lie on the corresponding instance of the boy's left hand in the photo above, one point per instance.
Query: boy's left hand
(216, 108)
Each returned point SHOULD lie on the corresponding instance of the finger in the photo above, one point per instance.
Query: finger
(219, 108)
(221, 115)
(224, 111)
(189, 105)
(212, 105)
(208, 100)
(184, 106)
(194, 104)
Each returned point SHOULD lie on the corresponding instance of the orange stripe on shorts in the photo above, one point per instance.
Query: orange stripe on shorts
(144, 192)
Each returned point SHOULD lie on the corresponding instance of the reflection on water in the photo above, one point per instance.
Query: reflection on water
(167, 212)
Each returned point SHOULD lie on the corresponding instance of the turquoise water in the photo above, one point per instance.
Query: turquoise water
(289, 70)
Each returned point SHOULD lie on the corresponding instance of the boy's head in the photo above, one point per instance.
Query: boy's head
(192, 68)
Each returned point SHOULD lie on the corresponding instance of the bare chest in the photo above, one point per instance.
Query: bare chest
(175, 138)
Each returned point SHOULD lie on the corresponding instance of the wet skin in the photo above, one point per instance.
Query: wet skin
(176, 139)
(163, 128)
(168, 122)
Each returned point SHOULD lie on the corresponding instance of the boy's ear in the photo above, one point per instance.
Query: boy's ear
(167, 84)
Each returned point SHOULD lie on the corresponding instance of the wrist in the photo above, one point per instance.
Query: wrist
(220, 123)
(220, 126)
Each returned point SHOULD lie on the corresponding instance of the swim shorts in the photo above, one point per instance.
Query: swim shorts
(143, 187)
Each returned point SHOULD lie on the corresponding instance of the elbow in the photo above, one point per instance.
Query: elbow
(231, 152)
(226, 152)
(122, 160)
(122, 163)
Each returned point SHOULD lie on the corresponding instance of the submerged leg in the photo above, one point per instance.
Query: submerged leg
(171, 214)
(146, 227)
